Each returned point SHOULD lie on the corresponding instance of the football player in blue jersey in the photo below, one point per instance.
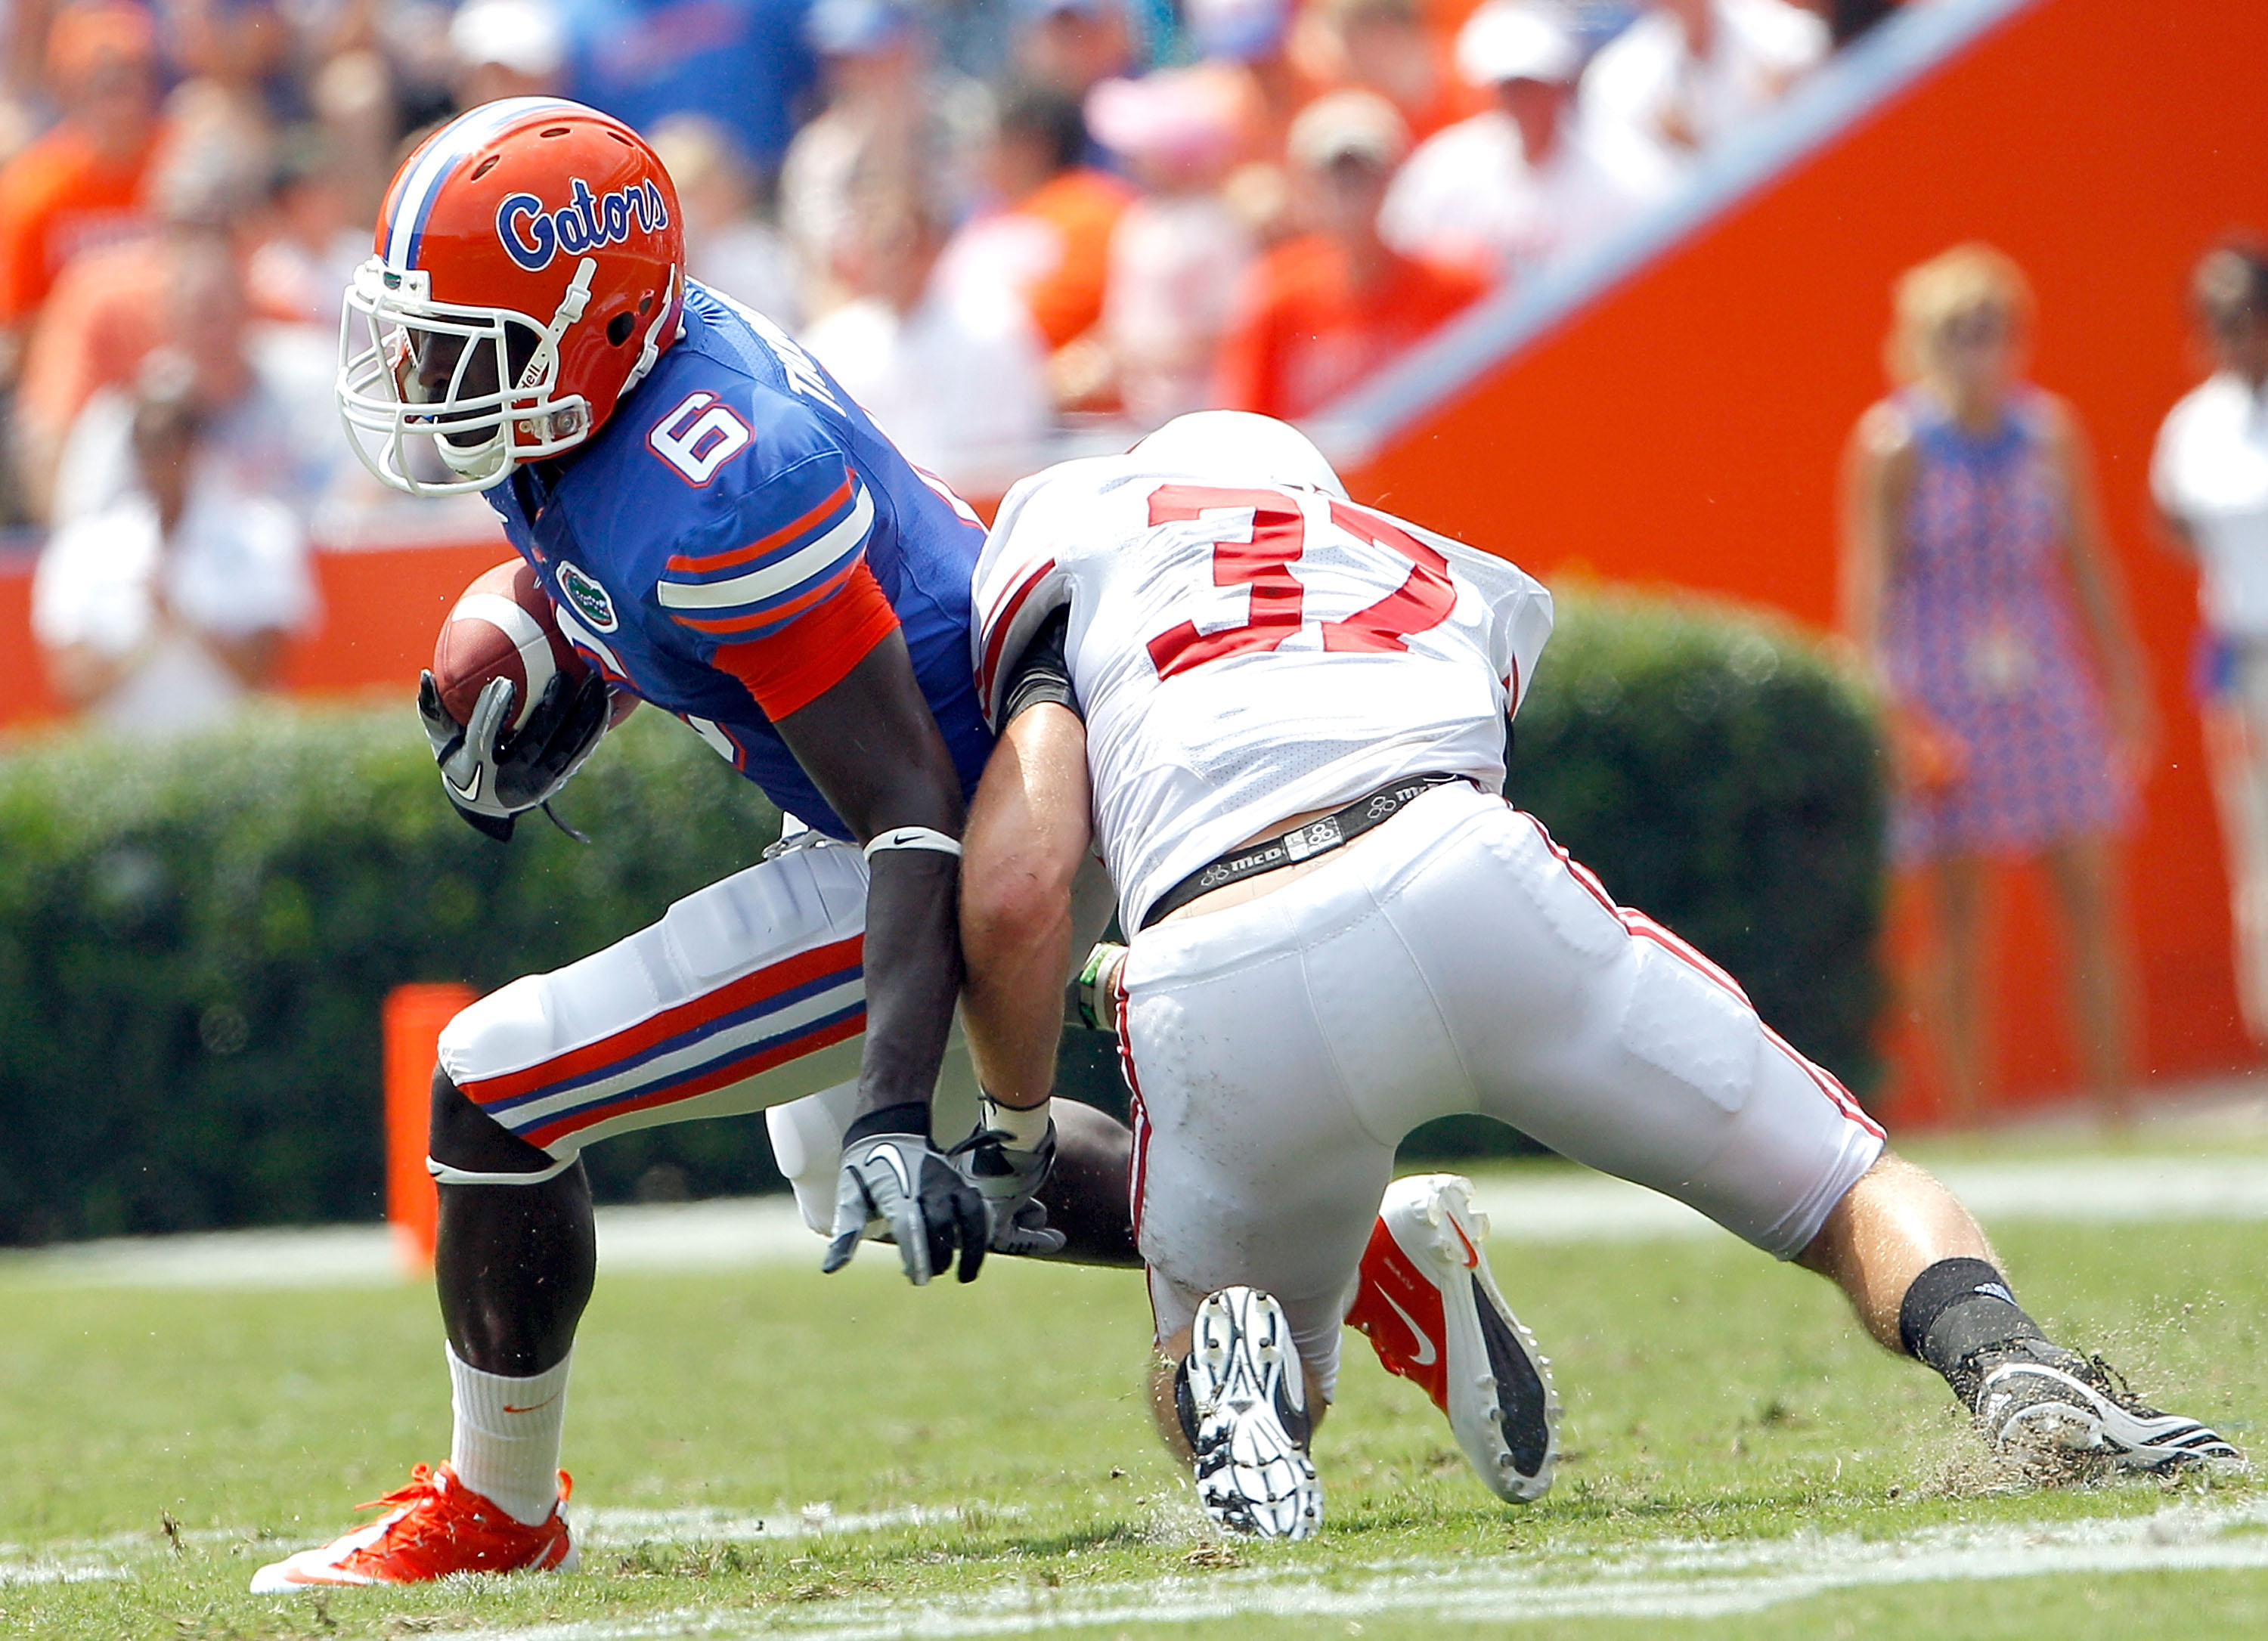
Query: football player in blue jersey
(728, 538)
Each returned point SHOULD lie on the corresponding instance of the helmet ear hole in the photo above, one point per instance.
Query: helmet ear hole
(619, 327)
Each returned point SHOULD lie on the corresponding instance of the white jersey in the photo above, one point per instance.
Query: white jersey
(1244, 655)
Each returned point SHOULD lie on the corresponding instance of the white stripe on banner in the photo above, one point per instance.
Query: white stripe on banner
(433, 167)
(774, 579)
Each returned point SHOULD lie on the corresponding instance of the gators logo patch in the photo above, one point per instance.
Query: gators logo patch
(587, 597)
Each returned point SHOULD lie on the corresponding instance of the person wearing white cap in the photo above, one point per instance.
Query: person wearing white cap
(1690, 71)
(1521, 184)
(507, 49)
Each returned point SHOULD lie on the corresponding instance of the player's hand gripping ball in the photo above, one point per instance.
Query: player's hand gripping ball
(509, 708)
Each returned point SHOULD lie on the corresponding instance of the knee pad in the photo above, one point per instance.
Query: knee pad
(806, 1138)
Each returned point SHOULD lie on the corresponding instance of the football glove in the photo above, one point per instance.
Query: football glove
(1009, 1179)
(493, 773)
(901, 1188)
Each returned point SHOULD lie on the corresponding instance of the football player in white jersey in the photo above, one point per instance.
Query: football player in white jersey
(1283, 719)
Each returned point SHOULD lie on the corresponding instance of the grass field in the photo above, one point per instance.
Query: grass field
(771, 1452)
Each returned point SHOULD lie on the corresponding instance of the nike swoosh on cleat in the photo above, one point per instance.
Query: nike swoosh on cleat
(1426, 1353)
(469, 792)
(1472, 1254)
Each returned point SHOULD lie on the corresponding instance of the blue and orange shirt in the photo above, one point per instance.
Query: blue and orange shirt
(739, 537)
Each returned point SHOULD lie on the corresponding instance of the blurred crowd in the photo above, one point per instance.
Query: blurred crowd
(991, 218)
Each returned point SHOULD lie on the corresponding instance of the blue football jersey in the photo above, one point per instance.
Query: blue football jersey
(694, 545)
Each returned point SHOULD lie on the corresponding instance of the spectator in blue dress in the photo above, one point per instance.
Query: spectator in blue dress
(741, 63)
(1978, 581)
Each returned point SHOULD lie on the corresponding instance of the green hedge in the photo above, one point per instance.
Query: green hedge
(194, 939)
(1718, 773)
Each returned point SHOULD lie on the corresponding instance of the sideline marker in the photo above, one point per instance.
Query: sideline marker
(413, 1018)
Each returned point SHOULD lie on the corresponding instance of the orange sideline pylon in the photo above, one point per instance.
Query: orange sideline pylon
(413, 1018)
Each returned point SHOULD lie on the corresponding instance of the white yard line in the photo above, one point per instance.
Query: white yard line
(1669, 1579)
(620, 1527)
(1526, 1204)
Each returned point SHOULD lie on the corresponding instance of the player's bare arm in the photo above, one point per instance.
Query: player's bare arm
(873, 748)
(1023, 929)
(1028, 834)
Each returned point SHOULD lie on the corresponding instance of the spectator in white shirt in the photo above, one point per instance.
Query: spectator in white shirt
(1522, 184)
(1690, 72)
(729, 245)
(891, 109)
(2210, 480)
(951, 369)
(159, 612)
(248, 385)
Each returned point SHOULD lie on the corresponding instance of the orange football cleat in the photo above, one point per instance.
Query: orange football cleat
(436, 1525)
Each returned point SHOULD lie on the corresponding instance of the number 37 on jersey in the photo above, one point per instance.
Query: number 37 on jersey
(1196, 574)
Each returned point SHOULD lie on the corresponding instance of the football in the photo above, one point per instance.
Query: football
(503, 626)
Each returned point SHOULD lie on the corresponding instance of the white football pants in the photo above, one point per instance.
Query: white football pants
(748, 995)
(1453, 960)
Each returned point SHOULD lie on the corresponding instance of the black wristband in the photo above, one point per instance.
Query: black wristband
(910, 1116)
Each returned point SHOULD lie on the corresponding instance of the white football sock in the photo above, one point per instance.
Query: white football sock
(1026, 1126)
(506, 1445)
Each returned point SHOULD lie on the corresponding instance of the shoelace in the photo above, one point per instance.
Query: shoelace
(414, 1527)
(417, 1527)
(2112, 1383)
(421, 1486)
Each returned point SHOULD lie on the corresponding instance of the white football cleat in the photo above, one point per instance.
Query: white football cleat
(2037, 1398)
(1242, 1396)
(1432, 1311)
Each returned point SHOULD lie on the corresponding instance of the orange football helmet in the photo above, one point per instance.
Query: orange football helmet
(530, 269)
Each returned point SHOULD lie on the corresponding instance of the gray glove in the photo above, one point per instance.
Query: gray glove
(1009, 1179)
(493, 773)
(899, 1187)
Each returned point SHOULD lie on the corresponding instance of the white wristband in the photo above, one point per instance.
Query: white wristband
(913, 837)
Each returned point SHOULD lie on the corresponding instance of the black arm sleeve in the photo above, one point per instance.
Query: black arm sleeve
(1042, 673)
